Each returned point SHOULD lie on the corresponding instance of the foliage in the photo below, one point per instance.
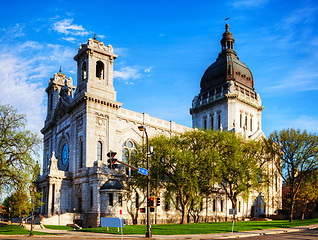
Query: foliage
(188, 166)
(17, 203)
(297, 155)
(203, 228)
(307, 198)
(18, 149)
(239, 166)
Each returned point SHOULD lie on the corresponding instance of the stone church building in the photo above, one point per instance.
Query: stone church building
(85, 122)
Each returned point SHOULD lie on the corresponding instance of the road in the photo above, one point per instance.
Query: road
(303, 235)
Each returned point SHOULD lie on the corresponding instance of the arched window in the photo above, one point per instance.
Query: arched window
(219, 120)
(99, 151)
(241, 120)
(92, 197)
(81, 154)
(214, 205)
(84, 67)
(251, 124)
(204, 123)
(212, 120)
(100, 69)
(137, 200)
(246, 122)
(128, 153)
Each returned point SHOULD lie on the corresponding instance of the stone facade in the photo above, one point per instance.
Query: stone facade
(81, 127)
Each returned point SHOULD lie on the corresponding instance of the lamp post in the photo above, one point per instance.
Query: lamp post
(32, 189)
(148, 233)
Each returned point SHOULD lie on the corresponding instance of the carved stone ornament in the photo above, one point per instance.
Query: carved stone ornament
(53, 166)
(78, 189)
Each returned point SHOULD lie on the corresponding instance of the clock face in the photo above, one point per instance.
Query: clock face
(65, 154)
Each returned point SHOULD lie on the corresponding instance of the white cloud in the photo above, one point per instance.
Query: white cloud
(162, 35)
(66, 27)
(101, 36)
(25, 70)
(17, 90)
(148, 70)
(69, 39)
(305, 122)
(126, 73)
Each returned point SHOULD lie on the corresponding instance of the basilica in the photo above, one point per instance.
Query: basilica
(85, 122)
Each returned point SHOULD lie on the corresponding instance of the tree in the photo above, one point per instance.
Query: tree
(297, 157)
(308, 194)
(240, 165)
(18, 149)
(183, 165)
(18, 204)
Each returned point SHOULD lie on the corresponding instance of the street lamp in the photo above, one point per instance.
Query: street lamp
(32, 189)
(148, 233)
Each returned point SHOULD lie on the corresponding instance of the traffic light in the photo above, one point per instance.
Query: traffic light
(158, 202)
(151, 201)
(152, 209)
(111, 160)
(142, 210)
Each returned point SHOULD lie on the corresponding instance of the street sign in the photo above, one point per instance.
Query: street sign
(233, 211)
(143, 171)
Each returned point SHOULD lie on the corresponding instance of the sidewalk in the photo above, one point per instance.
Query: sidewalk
(87, 235)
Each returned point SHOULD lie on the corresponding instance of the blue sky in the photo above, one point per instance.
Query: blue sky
(164, 47)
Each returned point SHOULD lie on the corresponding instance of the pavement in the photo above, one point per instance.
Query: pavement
(64, 234)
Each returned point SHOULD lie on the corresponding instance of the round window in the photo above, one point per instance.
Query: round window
(65, 154)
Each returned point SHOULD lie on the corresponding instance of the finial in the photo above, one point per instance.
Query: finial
(95, 36)
(227, 20)
(60, 69)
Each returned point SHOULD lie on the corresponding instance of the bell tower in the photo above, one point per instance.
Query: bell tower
(95, 70)
(227, 99)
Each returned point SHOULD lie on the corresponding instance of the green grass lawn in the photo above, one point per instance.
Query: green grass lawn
(59, 227)
(18, 230)
(204, 228)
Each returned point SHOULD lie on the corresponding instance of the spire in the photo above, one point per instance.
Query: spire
(227, 42)
(60, 69)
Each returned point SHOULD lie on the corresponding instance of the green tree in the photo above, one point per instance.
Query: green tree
(240, 165)
(308, 194)
(297, 157)
(183, 165)
(18, 149)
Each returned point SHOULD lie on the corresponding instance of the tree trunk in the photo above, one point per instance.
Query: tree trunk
(291, 210)
(184, 219)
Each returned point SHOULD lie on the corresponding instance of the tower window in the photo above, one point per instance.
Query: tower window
(219, 120)
(204, 123)
(137, 200)
(84, 70)
(251, 124)
(92, 197)
(212, 120)
(100, 70)
(99, 151)
(221, 205)
(81, 153)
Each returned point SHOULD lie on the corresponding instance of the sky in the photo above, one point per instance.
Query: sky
(164, 48)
